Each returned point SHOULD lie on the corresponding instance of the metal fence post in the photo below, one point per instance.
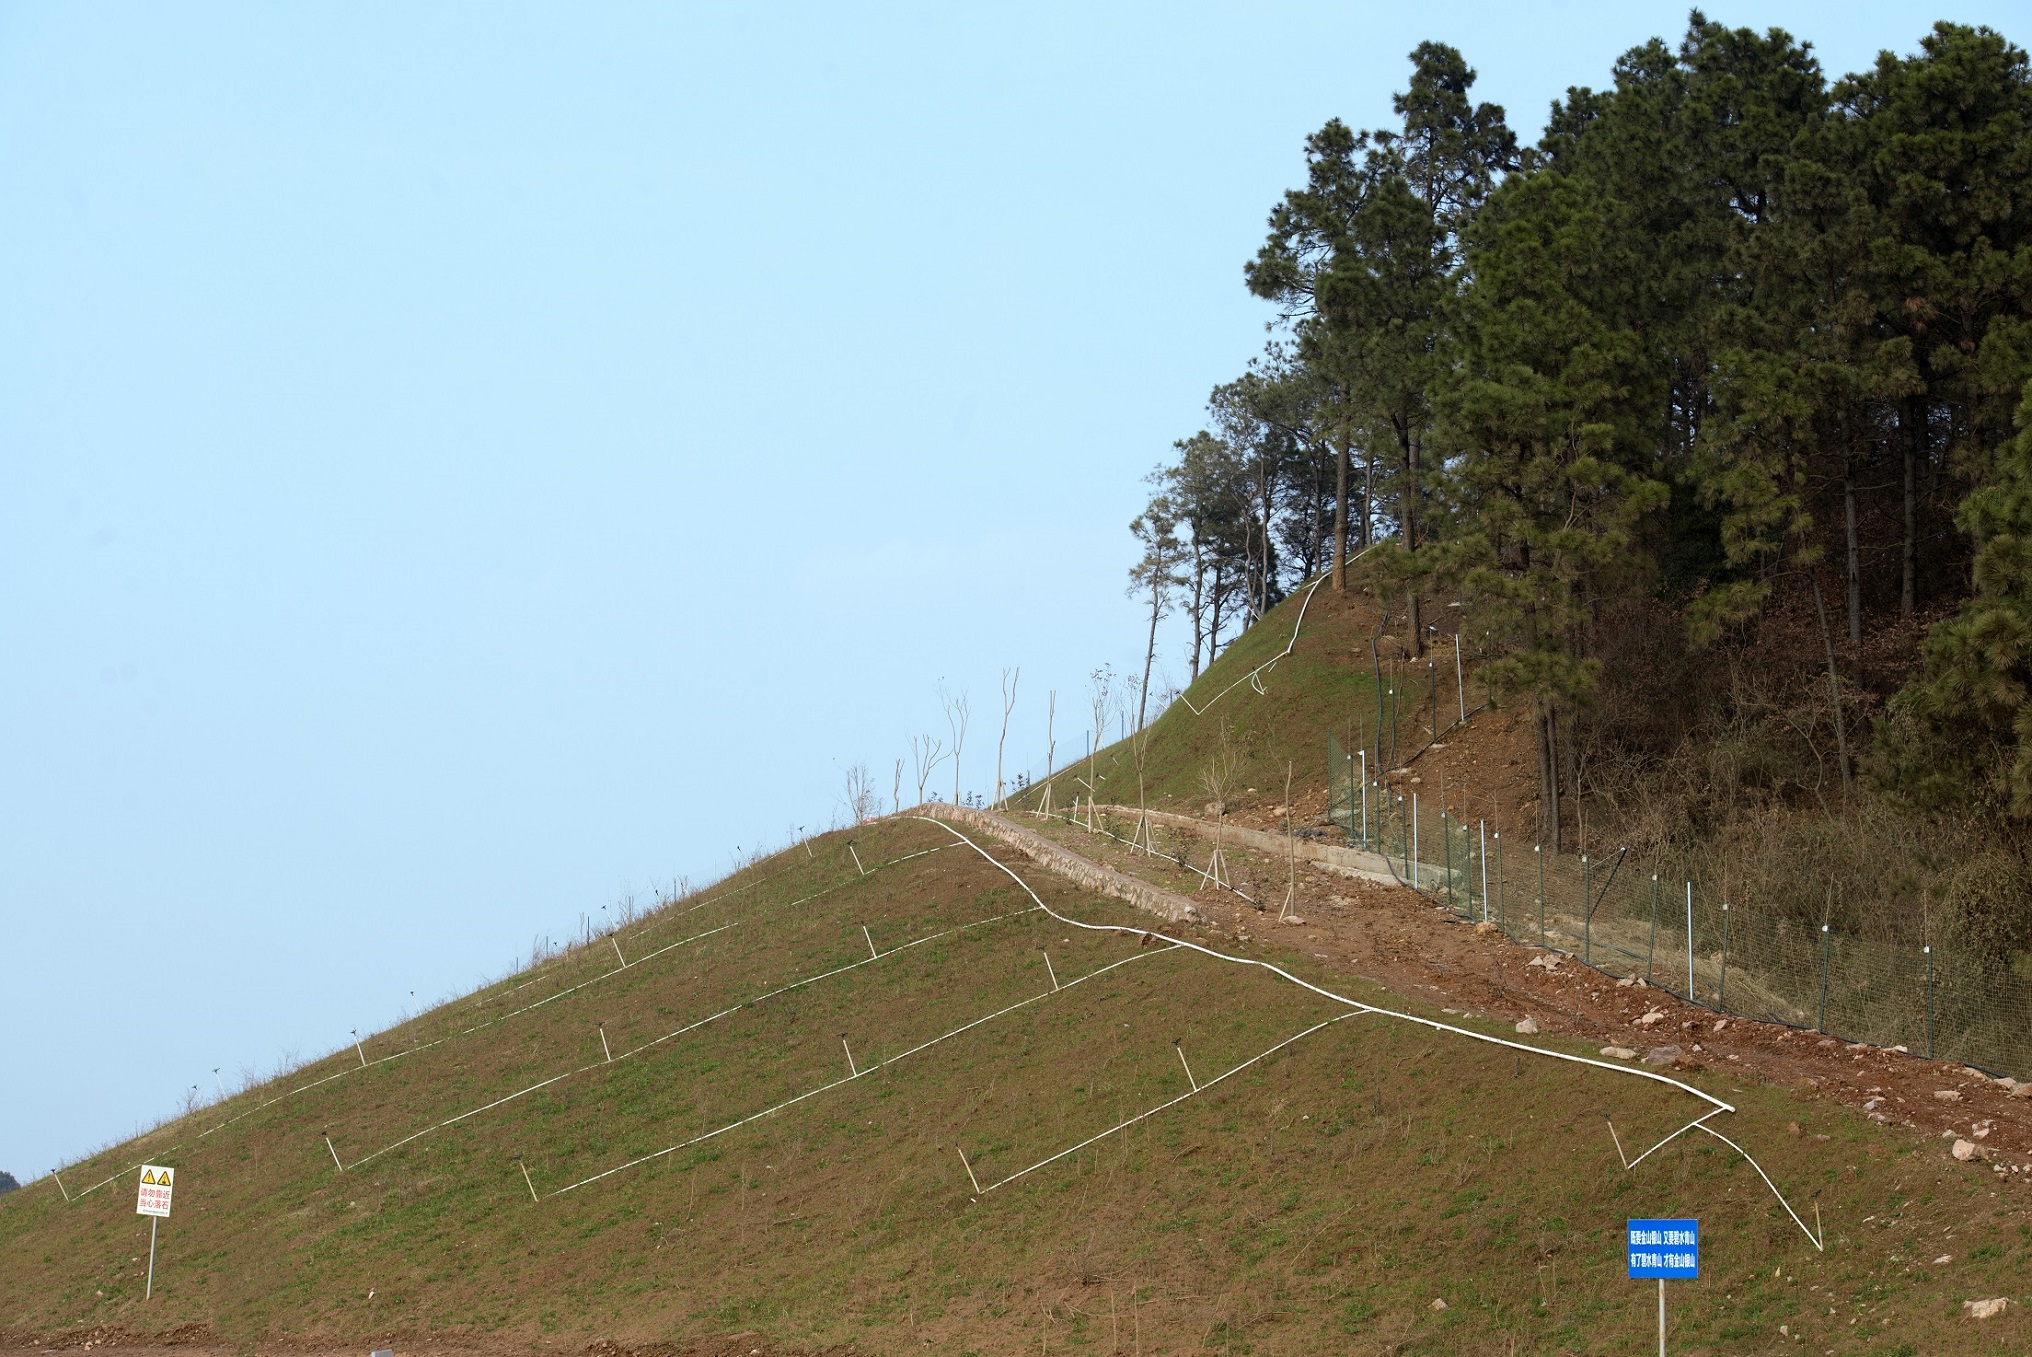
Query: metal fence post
(1929, 1001)
(1485, 869)
(1538, 851)
(1651, 948)
(1365, 798)
(1414, 841)
(1587, 915)
(1826, 942)
(1689, 944)
(1446, 839)
(1722, 999)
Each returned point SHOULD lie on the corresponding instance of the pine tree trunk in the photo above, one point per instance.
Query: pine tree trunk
(1149, 658)
(1548, 777)
(1908, 574)
(1409, 515)
(1198, 606)
(1368, 499)
(1340, 515)
(1855, 557)
(1841, 738)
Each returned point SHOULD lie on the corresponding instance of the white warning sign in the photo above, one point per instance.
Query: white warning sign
(156, 1184)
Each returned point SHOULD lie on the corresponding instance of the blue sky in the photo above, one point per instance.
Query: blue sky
(463, 464)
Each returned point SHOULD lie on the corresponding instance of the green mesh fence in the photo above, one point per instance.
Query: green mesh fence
(1618, 916)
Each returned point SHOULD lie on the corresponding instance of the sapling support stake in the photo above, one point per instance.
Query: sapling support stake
(60, 1185)
(857, 860)
(356, 1048)
(1617, 1139)
(1050, 970)
(873, 955)
(617, 951)
(850, 1056)
(526, 1182)
(970, 1170)
(335, 1153)
(602, 1025)
(1181, 1060)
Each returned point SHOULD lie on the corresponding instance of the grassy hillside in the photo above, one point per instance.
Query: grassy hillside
(1326, 685)
(1318, 1200)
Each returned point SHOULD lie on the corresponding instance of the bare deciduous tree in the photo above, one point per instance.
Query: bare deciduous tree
(896, 787)
(1217, 777)
(857, 795)
(925, 753)
(1050, 751)
(956, 714)
(1010, 678)
(1102, 685)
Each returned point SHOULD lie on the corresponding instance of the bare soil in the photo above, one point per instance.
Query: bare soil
(1399, 939)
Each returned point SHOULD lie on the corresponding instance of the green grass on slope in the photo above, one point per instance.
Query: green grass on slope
(1319, 1200)
(1325, 686)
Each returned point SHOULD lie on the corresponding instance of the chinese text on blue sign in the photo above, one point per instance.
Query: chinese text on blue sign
(1663, 1248)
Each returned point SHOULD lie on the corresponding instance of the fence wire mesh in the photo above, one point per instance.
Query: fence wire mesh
(1620, 917)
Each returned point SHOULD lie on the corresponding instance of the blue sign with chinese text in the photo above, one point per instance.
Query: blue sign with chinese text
(1663, 1248)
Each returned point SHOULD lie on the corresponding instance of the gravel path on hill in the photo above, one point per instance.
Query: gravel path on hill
(1399, 939)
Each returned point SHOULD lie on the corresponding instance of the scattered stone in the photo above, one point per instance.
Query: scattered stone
(1545, 961)
(1650, 1019)
(1792, 1129)
(1292, 920)
(1619, 1053)
(1964, 1150)
(1948, 1095)
(1528, 1027)
(1626, 982)
(1438, 1306)
(1826, 1042)
(1984, 1309)
(1873, 1104)
(2022, 1091)
(1721, 1024)
(1981, 1130)
(1485, 929)
(1943, 1259)
(1662, 1055)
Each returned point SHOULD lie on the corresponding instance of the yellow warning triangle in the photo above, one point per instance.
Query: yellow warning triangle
(148, 1179)
(162, 1178)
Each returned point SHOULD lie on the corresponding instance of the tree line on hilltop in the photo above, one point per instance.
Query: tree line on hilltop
(1730, 332)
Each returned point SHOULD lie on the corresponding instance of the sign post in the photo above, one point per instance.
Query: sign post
(157, 1183)
(1662, 1249)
